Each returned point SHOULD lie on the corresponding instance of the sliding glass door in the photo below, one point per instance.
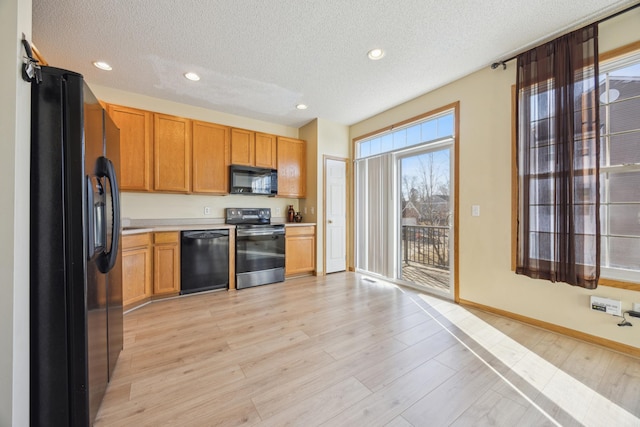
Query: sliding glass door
(405, 203)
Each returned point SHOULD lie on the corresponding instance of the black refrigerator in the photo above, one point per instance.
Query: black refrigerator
(76, 331)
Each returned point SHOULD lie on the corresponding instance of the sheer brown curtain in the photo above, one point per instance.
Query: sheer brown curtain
(558, 160)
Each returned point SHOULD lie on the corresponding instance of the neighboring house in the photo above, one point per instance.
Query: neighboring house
(410, 214)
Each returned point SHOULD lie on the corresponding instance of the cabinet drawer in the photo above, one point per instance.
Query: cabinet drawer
(166, 237)
(300, 230)
(135, 240)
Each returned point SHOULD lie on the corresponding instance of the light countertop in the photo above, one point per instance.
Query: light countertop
(138, 229)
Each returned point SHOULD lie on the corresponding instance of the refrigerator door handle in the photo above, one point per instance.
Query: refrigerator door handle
(95, 217)
(91, 240)
(107, 260)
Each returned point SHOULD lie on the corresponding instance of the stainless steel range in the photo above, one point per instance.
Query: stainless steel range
(259, 247)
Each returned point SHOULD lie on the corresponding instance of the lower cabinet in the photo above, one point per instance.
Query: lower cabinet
(300, 249)
(166, 262)
(136, 268)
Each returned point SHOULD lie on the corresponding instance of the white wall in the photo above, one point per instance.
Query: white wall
(485, 179)
(15, 19)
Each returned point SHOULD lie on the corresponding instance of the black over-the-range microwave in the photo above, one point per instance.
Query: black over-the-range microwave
(248, 180)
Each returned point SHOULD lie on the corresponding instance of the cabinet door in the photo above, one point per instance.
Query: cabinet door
(136, 129)
(300, 254)
(242, 147)
(136, 275)
(210, 158)
(292, 173)
(266, 150)
(166, 263)
(172, 153)
(136, 268)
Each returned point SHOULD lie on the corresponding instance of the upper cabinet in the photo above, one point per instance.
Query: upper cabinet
(136, 150)
(266, 151)
(292, 168)
(253, 149)
(164, 153)
(210, 160)
(172, 153)
(242, 147)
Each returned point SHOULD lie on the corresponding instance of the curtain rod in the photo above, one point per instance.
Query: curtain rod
(504, 62)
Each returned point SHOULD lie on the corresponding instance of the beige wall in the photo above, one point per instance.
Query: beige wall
(324, 138)
(485, 179)
(166, 206)
(15, 19)
(157, 105)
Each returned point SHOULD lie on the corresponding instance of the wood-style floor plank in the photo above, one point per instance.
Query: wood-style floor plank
(339, 350)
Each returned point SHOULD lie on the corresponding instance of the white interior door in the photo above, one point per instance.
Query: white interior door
(335, 184)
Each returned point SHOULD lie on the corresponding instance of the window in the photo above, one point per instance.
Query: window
(620, 168)
(431, 129)
(558, 158)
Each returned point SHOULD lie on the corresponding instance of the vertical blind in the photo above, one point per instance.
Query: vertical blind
(374, 215)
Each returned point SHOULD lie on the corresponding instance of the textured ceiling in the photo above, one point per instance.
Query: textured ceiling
(259, 59)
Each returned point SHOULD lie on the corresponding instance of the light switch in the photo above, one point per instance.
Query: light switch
(475, 210)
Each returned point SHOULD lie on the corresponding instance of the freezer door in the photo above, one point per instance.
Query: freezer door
(96, 243)
(114, 233)
(58, 334)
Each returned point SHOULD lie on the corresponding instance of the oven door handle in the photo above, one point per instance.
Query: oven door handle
(250, 233)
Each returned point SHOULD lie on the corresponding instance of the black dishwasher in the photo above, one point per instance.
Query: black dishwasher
(204, 260)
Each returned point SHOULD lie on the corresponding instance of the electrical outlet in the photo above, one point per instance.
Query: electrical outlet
(313, 210)
(278, 211)
(606, 305)
(475, 210)
(636, 306)
(207, 210)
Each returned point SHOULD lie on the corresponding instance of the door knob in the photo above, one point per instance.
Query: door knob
(330, 222)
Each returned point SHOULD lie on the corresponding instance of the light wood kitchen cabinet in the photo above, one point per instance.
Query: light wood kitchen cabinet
(266, 149)
(292, 167)
(166, 263)
(210, 159)
(136, 150)
(242, 147)
(300, 249)
(136, 268)
(172, 153)
(253, 149)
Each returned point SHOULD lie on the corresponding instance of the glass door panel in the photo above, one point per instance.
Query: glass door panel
(425, 244)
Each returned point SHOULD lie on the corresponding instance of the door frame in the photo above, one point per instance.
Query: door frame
(347, 191)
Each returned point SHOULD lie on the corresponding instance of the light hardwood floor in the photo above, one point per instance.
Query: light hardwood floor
(342, 351)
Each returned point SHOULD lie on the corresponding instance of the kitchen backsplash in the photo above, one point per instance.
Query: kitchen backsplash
(192, 206)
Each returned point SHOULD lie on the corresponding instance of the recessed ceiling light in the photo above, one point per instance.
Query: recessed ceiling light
(192, 76)
(301, 107)
(102, 65)
(375, 54)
